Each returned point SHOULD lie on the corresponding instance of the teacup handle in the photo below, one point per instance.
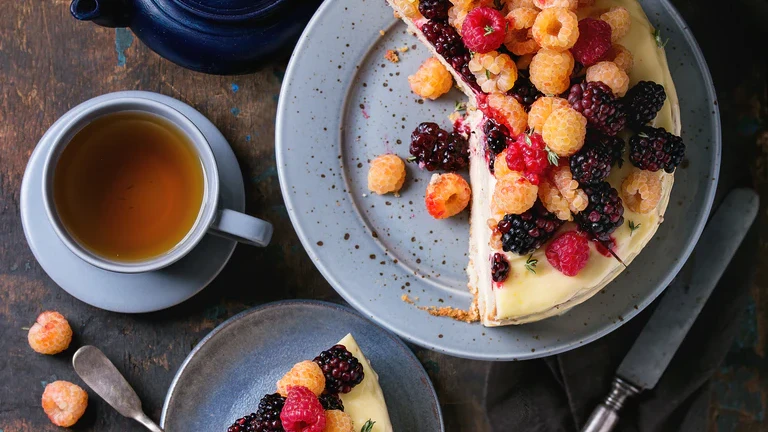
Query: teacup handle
(242, 228)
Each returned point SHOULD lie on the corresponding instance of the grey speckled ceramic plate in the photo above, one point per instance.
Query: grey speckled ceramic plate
(227, 373)
(342, 104)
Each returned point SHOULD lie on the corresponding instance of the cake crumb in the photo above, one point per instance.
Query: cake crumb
(467, 316)
(403, 48)
(391, 55)
(406, 298)
(382, 32)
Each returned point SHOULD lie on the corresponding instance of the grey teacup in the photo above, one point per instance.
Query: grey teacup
(210, 219)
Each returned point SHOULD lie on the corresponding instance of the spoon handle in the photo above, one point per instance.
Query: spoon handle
(147, 422)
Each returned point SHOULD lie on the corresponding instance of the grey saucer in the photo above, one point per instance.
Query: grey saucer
(130, 293)
(342, 104)
(228, 372)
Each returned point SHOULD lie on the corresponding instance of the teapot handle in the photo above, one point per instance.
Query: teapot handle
(107, 13)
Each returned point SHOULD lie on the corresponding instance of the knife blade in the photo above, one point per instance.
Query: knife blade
(685, 297)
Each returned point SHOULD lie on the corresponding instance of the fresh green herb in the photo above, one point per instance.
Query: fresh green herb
(410, 159)
(528, 140)
(488, 74)
(530, 264)
(488, 30)
(643, 135)
(460, 106)
(633, 227)
(659, 42)
(552, 157)
(25, 328)
(368, 426)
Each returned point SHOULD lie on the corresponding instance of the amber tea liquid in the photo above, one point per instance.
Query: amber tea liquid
(129, 186)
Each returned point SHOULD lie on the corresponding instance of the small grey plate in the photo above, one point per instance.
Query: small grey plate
(228, 372)
(121, 292)
(342, 104)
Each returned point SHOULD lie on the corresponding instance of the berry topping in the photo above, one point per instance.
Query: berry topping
(305, 374)
(499, 267)
(523, 234)
(556, 28)
(508, 111)
(513, 194)
(64, 403)
(596, 102)
(447, 195)
(434, 9)
(50, 334)
(564, 131)
(643, 102)
(448, 44)
(338, 421)
(495, 73)
(495, 136)
(623, 57)
(604, 213)
(541, 109)
(619, 20)
(641, 191)
(302, 411)
(550, 71)
(653, 149)
(484, 29)
(592, 164)
(545, 4)
(611, 75)
(528, 154)
(409, 8)
(525, 92)
(519, 39)
(266, 418)
(245, 424)
(568, 253)
(594, 41)
(435, 148)
(342, 370)
(386, 174)
(331, 401)
(432, 80)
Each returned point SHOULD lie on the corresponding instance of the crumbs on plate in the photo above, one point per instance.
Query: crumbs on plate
(392, 56)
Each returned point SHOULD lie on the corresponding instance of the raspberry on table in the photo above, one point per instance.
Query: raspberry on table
(484, 29)
(519, 36)
(553, 200)
(653, 149)
(496, 136)
(265, 419)
(338, 421)
(525, 93)
(595, 101)
(305, 374)
(610, 74)
(409, 8)
(508, 111)
(434, 9)
(528, 154)
(431, 80)
(623, 57)
(523, 234)
(619, 20)
(547, 4)
(641, 191)
(593, 43)
(64, 403)
(568, 253)
(342, 370)
(541, 109)
(331, 401)
(302, 411)
(495, 72)
(386, 174)
(556, 28)
(514, 194)
(50, 334)
(604, 213)
(499, 267)
(447, 195)
(550, 71)
(643, 102)
(434, 148)
(564, 131)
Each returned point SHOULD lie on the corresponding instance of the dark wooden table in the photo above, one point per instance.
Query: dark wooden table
(50, 63)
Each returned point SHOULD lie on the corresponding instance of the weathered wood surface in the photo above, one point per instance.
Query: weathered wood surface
(49, 63)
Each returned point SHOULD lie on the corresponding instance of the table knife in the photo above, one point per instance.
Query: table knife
(684, 299)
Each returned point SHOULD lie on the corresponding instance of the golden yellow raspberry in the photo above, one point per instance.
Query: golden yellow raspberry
(562, 178)
(610, 74)
(564, 131)
(464, 4)
(550, 71)
(623, 57)
(641, 191)
(586, 3)
(548, 4)
(447, 195)
(514, 194)
(500, 167)
(409, 8)
(64, 403)
(305, 374)
(542, 108)
(495, 73)
(512, 114)
(432, 80)
(386, 174)
(553, 200)
(556, 28)
(514, 4)
(456, 16)
(519, 37)
(50, 334)
(524, 61)
(338, 421)
(619, 20)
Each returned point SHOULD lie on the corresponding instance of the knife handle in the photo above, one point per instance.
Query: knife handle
(606, 416)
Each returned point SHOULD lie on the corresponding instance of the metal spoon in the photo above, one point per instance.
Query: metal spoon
(104, 378)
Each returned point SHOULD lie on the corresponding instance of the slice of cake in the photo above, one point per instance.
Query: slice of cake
(574, 124)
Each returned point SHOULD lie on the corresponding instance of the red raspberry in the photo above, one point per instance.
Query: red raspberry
(568, 253)
(594, 41)
(484, 30)
(528, 155)
(302, 411)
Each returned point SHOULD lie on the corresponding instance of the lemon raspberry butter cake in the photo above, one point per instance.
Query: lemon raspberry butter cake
(560, 203)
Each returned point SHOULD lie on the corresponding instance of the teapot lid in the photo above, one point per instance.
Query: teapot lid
(230, 10)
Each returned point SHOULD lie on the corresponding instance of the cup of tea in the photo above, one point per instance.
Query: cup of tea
(131, 185)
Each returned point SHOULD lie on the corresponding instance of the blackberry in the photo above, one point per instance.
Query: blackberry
(596, 102)
(245, 424)
(525, 92)
(448, 43)
(341, 369)
(592, 164)
(653, 149)
(604, 213)
(499, 267)
(266, 418)
(643, 102)
(434, 9)
(331, 401)
(495, 136)
(437, 149)
(523, 234)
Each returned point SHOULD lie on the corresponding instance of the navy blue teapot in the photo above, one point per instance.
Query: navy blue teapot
(211, 36)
